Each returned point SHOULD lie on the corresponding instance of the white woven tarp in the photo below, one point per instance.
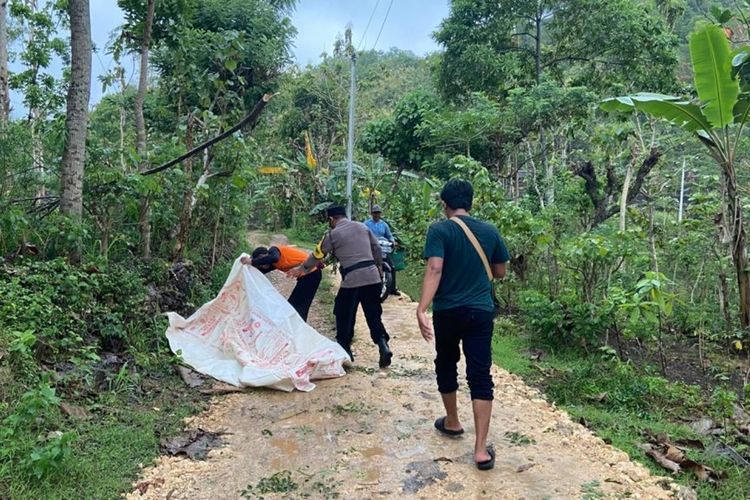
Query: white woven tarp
(249, 335)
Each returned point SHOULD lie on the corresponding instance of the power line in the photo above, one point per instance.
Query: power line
(382, 25)
(372, 14)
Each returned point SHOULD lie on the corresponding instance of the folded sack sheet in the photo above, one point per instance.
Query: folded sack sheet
(249, 335)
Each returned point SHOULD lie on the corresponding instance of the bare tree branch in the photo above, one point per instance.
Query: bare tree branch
(604, 202)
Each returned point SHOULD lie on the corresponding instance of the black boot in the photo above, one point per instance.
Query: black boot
(348, 350)
(385, 353)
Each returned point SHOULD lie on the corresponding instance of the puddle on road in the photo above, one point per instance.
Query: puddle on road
(373, 452)
(287, 446)
(422, 474)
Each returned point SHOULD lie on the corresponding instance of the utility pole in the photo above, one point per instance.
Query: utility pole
(350, 141)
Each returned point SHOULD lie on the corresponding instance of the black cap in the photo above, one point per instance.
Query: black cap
(335, 210)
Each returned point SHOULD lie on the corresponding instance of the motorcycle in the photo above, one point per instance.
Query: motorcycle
(386, 248)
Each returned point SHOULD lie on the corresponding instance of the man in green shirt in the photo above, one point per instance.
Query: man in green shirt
(456, 282)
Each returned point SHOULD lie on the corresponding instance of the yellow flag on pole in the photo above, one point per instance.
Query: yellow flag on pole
(311, 161)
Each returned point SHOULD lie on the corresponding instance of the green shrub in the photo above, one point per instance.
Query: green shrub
(544, 318)
(564, 322)
(61, 317)
(22, 438)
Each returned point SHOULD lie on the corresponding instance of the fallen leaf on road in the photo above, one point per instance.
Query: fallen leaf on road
(195, 444)
(525, 467)
(143, 486)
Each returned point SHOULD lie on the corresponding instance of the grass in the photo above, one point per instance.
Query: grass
(409, 280)
(508, 352)
(635, 403)
(109, 448)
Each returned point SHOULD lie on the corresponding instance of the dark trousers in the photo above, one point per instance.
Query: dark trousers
(472, 328)
(304, 293)
(345, 310)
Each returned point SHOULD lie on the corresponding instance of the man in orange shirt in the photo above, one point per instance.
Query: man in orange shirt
(284, 258)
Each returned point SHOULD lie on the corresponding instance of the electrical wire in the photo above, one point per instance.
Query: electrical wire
(372, 14)
(382, 25)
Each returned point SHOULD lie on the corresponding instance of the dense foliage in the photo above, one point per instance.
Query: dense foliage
(626, 229)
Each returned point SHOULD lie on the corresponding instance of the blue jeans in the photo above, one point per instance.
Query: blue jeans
(472, 328)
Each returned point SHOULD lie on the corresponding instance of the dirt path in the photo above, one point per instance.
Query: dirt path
(370, 434)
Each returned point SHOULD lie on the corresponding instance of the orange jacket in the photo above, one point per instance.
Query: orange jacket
(290, 257)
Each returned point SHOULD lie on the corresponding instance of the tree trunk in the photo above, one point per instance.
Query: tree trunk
(4, 87)
(140, 97)
(652, 236)
(739, 243)
(533, 175)
(76, 117)
(682, 194)
(140, 128)
(35, 115)
(399, 170)
(549, 169)
(624, 196)
(217, 224)
(516, 180)
(538, 43)
(37, 151)
(123, 115)
(724, 299)
(187, 197)
(549, 174)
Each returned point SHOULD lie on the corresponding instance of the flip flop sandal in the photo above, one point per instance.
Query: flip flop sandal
(487, 464)
(440, 425)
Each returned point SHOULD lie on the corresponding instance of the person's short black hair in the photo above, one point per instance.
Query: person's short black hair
(259, 252)
(336, 211)
(457, 193)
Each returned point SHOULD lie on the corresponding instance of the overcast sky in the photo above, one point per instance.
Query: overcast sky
(409, 25)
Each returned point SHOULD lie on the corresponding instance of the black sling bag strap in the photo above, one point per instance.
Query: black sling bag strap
(475, 243)
(354, 267)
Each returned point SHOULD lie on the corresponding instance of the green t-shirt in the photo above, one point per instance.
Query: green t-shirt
(464, 280)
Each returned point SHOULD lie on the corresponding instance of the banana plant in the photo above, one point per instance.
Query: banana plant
(722, 82)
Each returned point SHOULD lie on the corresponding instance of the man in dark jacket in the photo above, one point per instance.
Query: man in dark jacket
(361, 265)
